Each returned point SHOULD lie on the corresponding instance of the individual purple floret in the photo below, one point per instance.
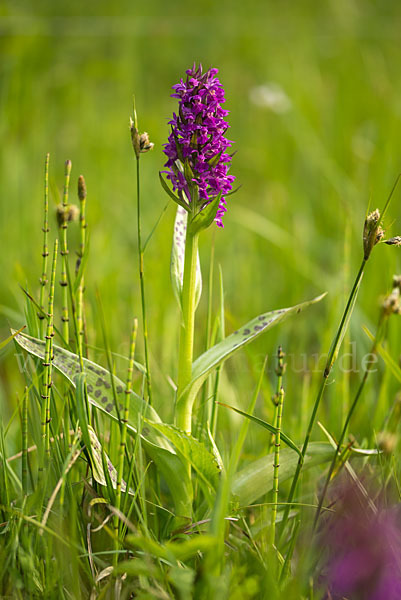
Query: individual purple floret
(363, 544)
(198, 163)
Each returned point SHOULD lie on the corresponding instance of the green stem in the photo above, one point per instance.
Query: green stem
(123, 441)
(142, 283)
(276, 464)
(82, 246)
(329, 365)
(64, 254)
(347, 421)
(47, 364)
(24, 466)
(45, 251)
(184, 405)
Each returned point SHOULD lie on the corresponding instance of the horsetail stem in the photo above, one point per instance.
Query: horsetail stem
(64, 253)
(24, 428)
(277, 423)
(82, 228)
(45, 250)
(47, 364)
(123, 434)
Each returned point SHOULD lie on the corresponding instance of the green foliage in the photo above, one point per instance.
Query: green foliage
(313, 99)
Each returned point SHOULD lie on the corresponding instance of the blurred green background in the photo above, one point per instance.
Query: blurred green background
(314, 94)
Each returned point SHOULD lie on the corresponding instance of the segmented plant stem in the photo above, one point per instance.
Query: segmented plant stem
(123, 442)
(276, 463)
(64, 253)
(348, 419)
(184, 408)
(329, 365)
(142, 282)
(45, 250)
(82, 246)
(47, 364)
(24, 457)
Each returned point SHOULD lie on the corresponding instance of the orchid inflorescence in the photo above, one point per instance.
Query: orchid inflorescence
(198, 161)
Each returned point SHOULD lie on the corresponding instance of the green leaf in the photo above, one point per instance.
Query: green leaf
(206, 216)
(181, 550)
(256, 479)
(11, 337)
(213, 357)
(177, 258)
(176, 199)
(194, 452)
(96, 459)
(284, 438)
(386, 356)
(101, 397)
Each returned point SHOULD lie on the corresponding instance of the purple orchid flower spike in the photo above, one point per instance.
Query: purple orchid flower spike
(198, 161)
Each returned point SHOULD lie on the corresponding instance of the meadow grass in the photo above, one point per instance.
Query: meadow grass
(96, 498)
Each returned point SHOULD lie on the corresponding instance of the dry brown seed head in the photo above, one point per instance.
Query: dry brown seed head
(394, 241)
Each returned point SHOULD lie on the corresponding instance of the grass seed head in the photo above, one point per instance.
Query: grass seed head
(391, 303)
(140, 141)
(372, 232)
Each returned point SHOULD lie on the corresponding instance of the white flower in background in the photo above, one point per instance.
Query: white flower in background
(272, 96)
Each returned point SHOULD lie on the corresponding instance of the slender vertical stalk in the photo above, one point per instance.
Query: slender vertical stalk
(329, 365)
(82, 246)
(184, 408)
(24, 458)
(64, 253)
(348, 419)
(222, 335)
(123, 439)
(142, 282)
(45, 250)
(47, 364)
(207, 409)
(280, 400)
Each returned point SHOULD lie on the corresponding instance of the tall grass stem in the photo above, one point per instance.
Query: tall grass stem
(348, 419)
(142, 282)
(329, 365)
(123, 434)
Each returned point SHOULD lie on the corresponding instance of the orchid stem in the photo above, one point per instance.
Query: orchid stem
(184, 404)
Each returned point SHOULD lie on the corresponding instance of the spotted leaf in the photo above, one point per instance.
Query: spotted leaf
(177, 258)
(96, 458)
(213, 357)
(100, 395)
